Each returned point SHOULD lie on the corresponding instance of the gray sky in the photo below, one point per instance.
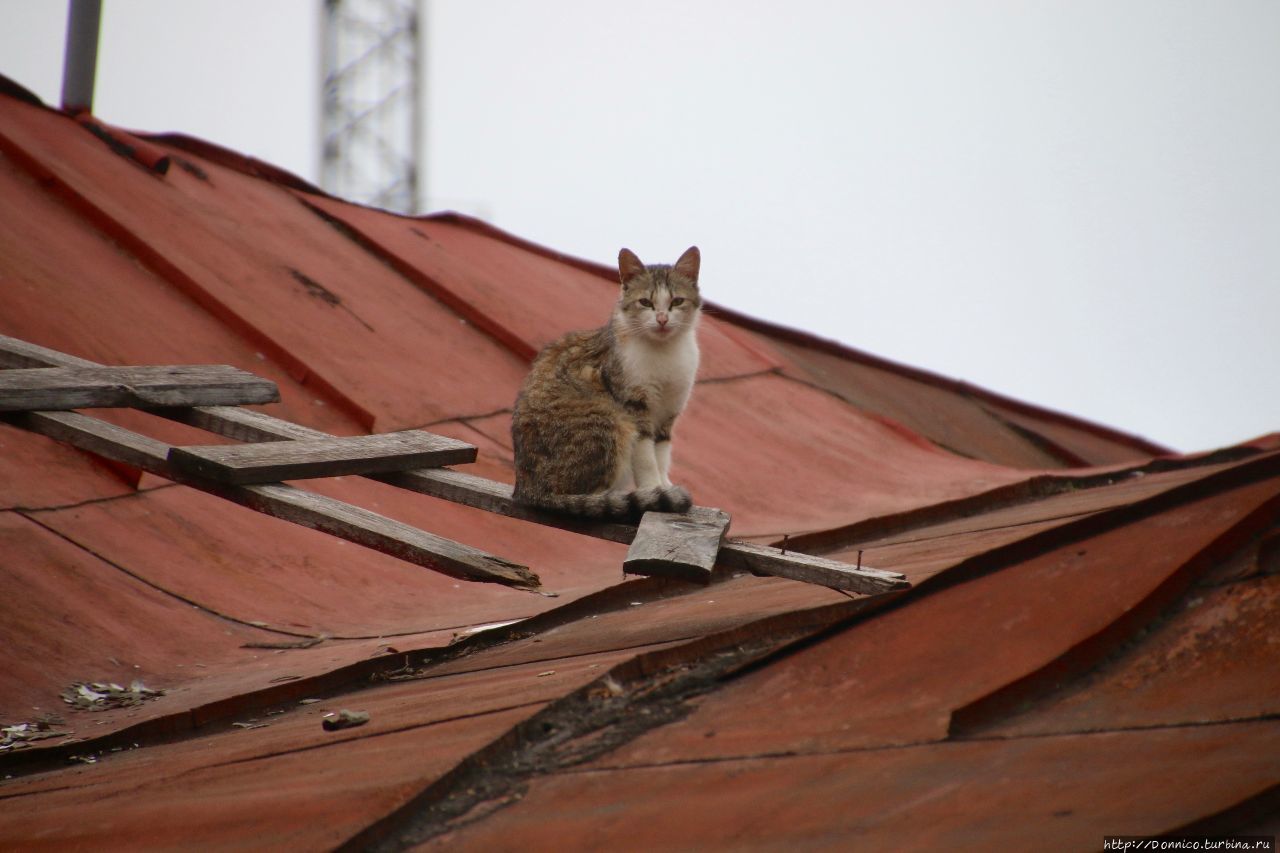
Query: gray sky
(1074, 203)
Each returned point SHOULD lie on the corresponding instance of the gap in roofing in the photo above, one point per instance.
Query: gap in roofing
(635, 696)
(897, 675)
(568, 632)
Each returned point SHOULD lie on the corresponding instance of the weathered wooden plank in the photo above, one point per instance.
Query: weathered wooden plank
(286, 502)
(764, 560)
(471, 490)
(677, 545)
(59, 388)
(491, 496)
(274, 461)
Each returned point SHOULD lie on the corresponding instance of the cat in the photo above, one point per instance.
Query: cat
(592, 425)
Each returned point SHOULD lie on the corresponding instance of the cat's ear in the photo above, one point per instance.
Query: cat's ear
(629, 265)
(688, 264)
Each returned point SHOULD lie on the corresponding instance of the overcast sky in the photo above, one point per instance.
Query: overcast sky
(1074, 203)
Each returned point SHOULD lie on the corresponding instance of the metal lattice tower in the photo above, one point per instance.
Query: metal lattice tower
(372, 105)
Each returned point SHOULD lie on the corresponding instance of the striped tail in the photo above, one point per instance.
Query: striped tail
(614, 503)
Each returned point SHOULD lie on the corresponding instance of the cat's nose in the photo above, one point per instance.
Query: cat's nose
(662, 318)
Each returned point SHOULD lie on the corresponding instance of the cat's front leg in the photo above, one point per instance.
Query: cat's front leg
(674, 498)
(662, 453)
(644, 465)
(662, 450)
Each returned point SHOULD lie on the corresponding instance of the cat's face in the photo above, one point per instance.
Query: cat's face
(659, 302)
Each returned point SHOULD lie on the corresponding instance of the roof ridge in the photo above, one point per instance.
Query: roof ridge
(254, 167)
(849, 353)
(742, 320)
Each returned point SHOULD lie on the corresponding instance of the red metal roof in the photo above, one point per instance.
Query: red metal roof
(1087, 649)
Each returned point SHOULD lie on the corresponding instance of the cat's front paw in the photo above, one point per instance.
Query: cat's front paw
(676, 499)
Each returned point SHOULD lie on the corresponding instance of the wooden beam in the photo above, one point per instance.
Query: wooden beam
(677, 545)
(286, 502)
(491, 496)
(271, 462)
(41, 388)
(766, 560)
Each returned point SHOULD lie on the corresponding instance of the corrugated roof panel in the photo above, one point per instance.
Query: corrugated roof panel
(293, 285)
(112, 309)
(522, 297)
(783, 457)
(68, 615)
(951, 715)
(939, 539)
(1031, 794)
(1214, 659)
(66, 476)
(235, 561)
(638, 620)
(897, 677)
(1088, 445)
(307, 798)
(945, 417)
(1067, 439)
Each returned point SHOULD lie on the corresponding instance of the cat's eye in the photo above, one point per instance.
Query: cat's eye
(645, 303)
(679, 300)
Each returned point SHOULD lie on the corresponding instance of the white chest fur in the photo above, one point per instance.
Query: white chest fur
(663, 370)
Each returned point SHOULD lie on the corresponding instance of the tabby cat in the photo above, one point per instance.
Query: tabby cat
(592, 425)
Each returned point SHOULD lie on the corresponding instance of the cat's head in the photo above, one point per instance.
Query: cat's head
(659, 302)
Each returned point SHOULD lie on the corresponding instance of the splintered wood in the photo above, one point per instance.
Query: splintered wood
(678, 545)
(56, 388)
(319, 457)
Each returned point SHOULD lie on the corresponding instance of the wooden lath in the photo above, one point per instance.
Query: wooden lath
(319, 457)
(286, 502)
(489, 495)
(289, 503)
(80, 387)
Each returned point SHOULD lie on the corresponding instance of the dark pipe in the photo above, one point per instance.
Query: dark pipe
(81, 60)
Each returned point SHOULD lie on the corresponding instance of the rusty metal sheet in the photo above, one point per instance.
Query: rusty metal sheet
(942, 539)
(68, 615)
(496, 428)
(66, 476)
(897, 677)
(385, 322)
(447, 716)
(475, 269)
(1216, 658)
(780, 456)
(294, 286)
(1093, 446)
(946, 417)
(1029, 794)
(77, 291)
(1063, 437)
(302, 798)
(233, 561)
(627, 623)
